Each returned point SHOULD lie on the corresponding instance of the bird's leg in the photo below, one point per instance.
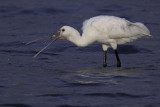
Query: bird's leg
(104, 47)
(118, 60)
(105, 59)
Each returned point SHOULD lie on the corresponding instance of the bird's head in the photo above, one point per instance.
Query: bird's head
(67, 33)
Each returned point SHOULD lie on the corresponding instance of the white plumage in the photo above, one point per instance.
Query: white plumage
(107, 30)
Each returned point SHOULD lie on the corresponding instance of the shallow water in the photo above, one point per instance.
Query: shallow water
(66, 75)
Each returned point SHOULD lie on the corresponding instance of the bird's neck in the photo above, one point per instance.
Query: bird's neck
(79, 40)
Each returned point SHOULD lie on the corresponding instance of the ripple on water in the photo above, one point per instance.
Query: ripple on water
(51, 95)
(2, 86)
(25, 52)
(27, 11)
(12, 44)
(85, 84)
(115, 95)
(15, 105)
(9, 9)
(94, 77)
(43, 10)
(112, 8)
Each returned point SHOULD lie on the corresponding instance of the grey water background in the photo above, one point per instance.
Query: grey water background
(65, 75)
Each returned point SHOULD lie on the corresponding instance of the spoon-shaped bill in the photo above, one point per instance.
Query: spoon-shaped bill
(39, 39)
(59, 37)
(36, 40)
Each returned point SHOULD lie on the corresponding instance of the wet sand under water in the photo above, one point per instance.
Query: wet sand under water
(66, 75)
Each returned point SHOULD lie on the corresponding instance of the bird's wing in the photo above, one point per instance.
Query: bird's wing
(114, 27)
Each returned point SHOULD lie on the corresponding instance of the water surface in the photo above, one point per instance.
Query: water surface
(65, 75)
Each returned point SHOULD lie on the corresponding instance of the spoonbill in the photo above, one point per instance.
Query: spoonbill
(110, 31)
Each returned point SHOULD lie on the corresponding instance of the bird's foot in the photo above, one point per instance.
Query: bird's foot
(118, 64)
(104, 65)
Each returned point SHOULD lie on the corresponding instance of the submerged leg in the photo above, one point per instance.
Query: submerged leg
(105, 47)
(105, 59)
(118, 60)
(113, 44)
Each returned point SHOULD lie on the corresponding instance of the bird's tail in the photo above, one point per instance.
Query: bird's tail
(143, 29)
(148, 35)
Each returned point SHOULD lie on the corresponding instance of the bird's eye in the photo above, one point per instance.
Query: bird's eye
(63, 30)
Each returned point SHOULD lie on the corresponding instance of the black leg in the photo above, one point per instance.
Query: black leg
(118, 60)
(104, 59)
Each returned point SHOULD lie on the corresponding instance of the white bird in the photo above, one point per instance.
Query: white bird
(110, 31)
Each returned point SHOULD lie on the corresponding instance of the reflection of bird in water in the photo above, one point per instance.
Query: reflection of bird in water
(110, 31)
